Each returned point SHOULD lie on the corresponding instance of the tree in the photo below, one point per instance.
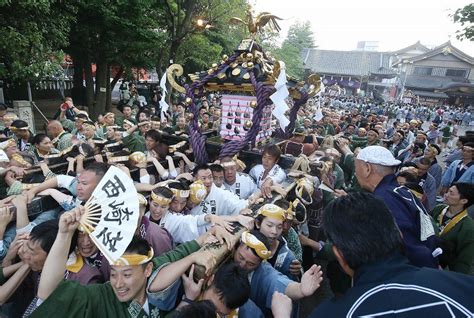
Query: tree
(180, 23)
(31, 35)
(142, 33)
(292, 58)
(120, 33)
(465, 17)
(197, 53)
(299, 37)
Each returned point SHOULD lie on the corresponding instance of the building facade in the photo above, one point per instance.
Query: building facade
(443, 75)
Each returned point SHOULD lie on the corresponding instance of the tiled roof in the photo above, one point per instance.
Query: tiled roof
(429, 82)
(414, 46)
(467, 88)
(384, 71)
(430, 94)
(354, 63)
(445, 48)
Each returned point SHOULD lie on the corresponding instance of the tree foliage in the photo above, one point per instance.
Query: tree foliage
(119, 33)
(126, 34)
(465, 17)
(31, 34)
(299, 37)
(183, 35)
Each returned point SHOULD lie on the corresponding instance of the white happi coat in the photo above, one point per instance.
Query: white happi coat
(220, 202)
(182, 227)
(277, 174)
(243, 187)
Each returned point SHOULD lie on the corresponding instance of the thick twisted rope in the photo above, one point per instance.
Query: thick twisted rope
(292, 117)
(302, 163)
(196, 138)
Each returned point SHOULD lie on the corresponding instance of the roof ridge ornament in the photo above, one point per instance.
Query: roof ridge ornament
(257, 23)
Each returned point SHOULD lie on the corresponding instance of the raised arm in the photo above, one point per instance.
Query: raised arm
(79, 163)
(48, 184)
(22, 219)
(179, 259)
(6, 216)
(164, 174)
(310, 281)
(173, 271)
(18, 273)
(70, 164)
(188, 162)
(171, 167)
(55, 264)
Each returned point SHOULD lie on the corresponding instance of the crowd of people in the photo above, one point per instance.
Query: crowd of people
(389, 214)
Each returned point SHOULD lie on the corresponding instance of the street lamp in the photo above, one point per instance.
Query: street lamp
(203, 24)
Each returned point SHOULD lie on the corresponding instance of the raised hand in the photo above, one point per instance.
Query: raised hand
(311, 280)
(192, 290)
(69, 221)
(6, 216)
(281, 305)
(295, 268)
(215, 219)
(246, 221)
(223, 236)
(19, 200)
(206, 259)
(14, 249)
(267, 188)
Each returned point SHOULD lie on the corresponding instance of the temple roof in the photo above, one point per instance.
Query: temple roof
(445, 48)
(351, 63)
(415, 46)
(430, 82)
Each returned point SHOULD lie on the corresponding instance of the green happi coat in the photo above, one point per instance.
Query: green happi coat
(70, 299)
(134, 142)
(460, 239)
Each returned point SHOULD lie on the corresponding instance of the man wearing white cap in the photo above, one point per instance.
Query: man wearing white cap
(374, 169)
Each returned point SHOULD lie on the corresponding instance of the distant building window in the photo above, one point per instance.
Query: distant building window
(456, 73)
(425, 71)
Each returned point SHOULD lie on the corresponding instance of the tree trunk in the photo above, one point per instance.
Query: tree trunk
(89, 84)
(112, 86)
(101, 84)
(108, 99)
(175, 44)
(78, 92)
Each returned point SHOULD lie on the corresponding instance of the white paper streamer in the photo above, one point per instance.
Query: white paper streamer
(318, 114)
(163, 104)
(278, 98)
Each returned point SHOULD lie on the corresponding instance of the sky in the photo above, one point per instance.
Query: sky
(340, 24)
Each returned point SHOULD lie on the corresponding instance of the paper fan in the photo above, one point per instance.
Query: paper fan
(111, 214)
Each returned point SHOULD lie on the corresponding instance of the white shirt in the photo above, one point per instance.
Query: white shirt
(277, 174)
(64, 181)
(183, 228)
(220, 202)
(243, 187)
